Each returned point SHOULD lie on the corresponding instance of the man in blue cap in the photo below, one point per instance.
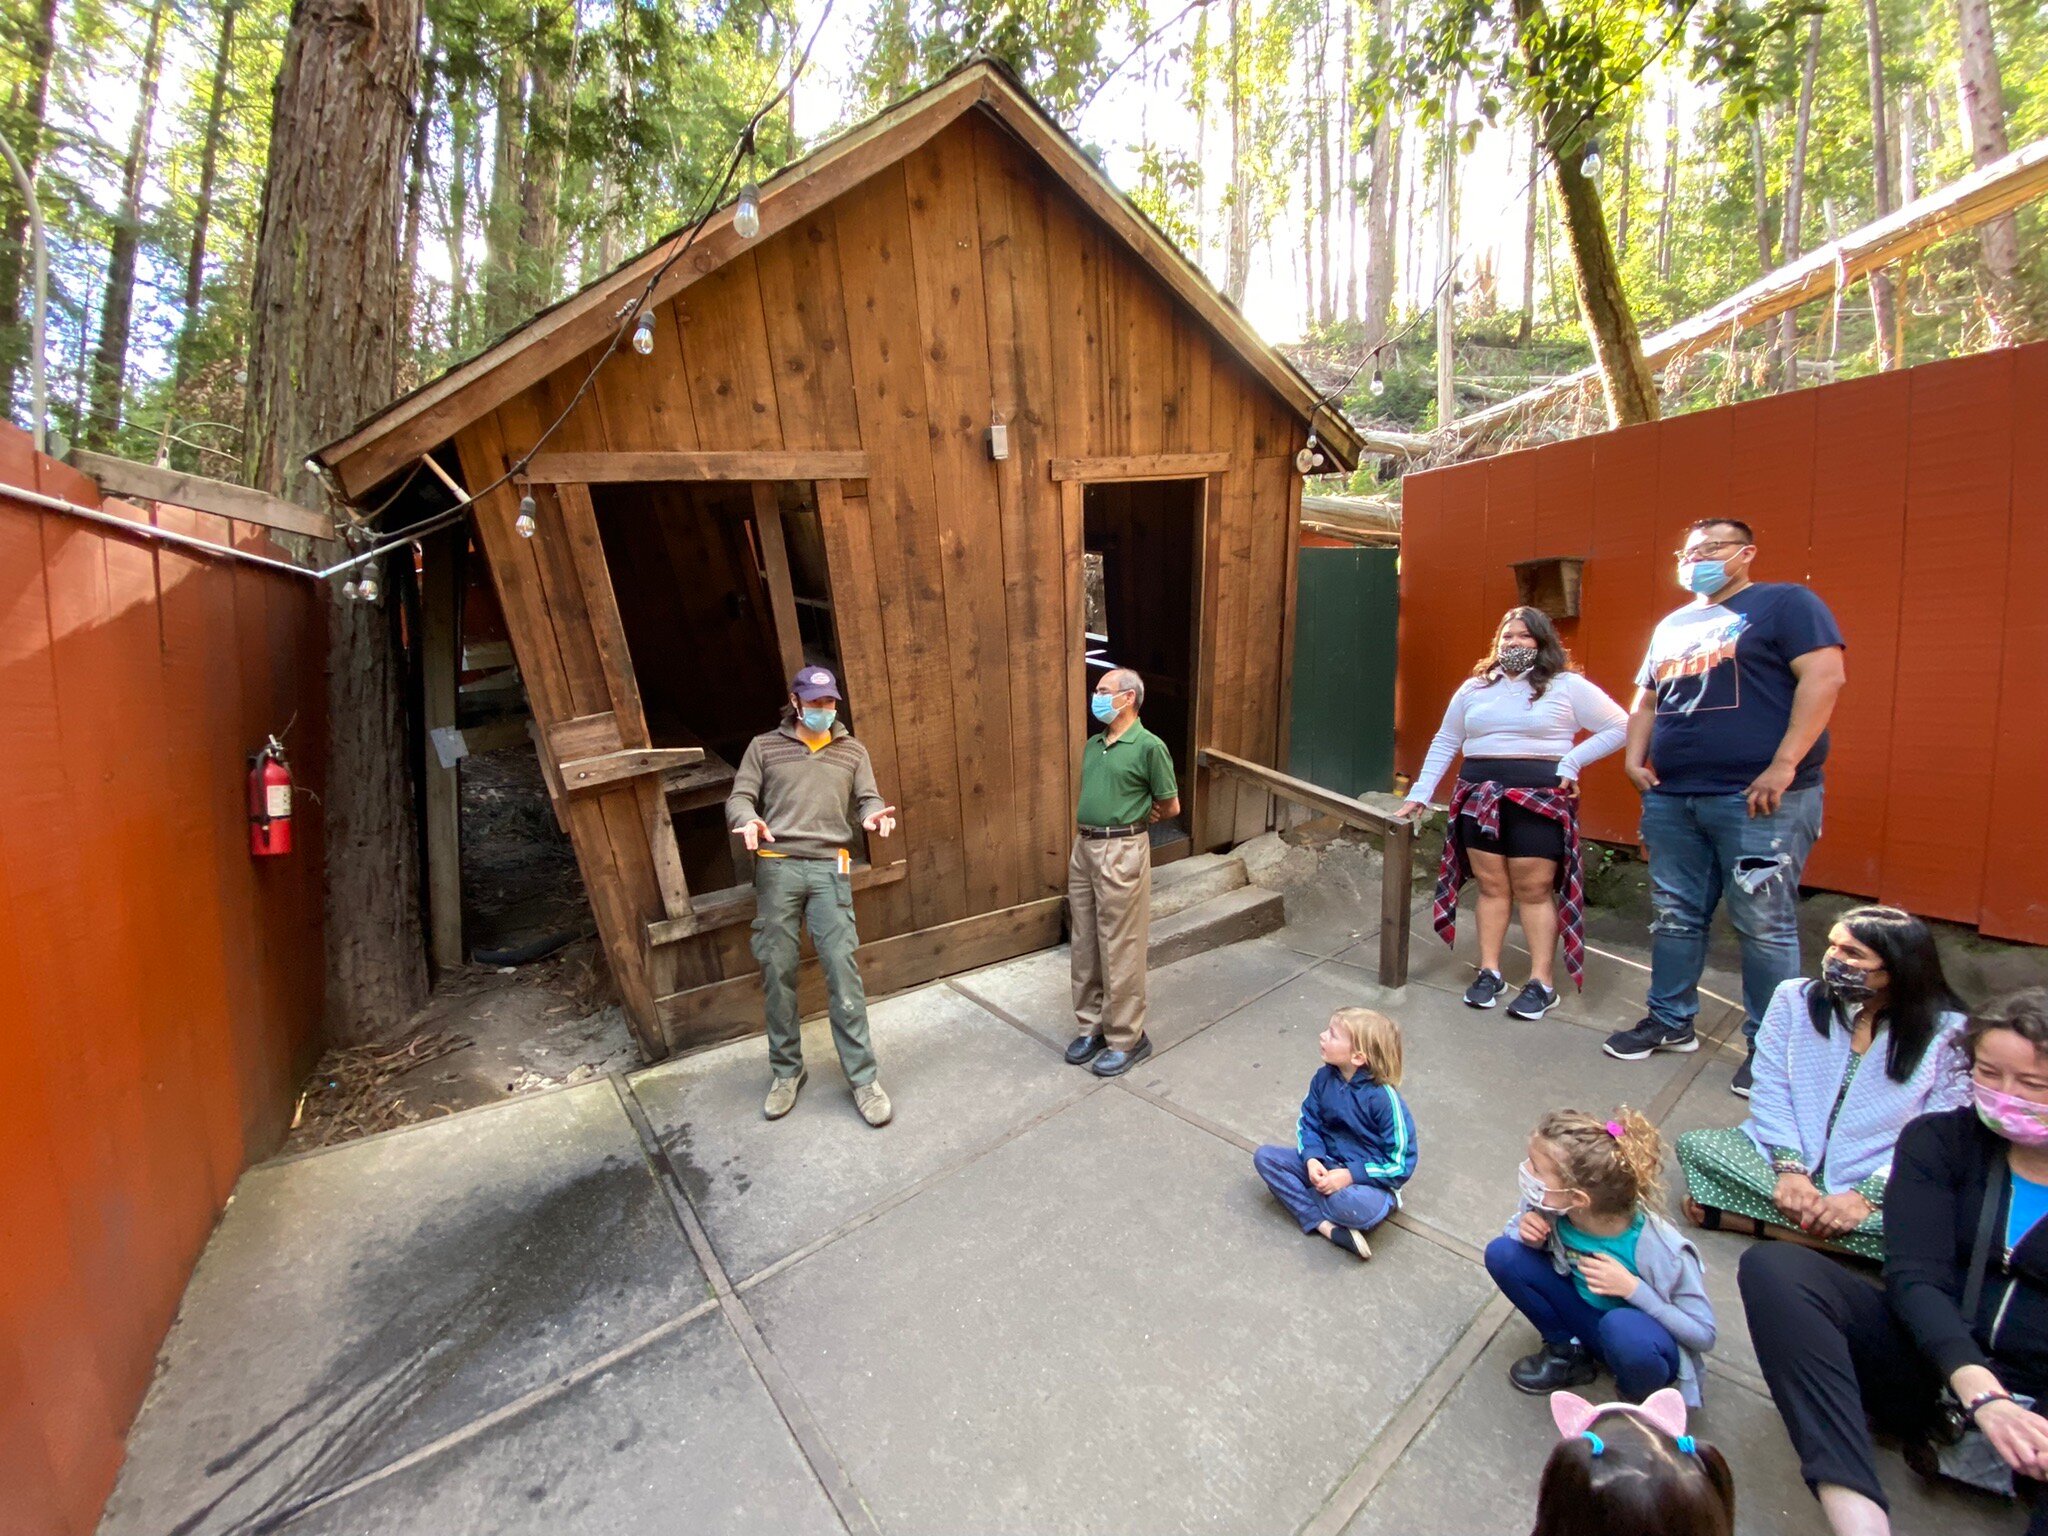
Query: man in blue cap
(795, 801)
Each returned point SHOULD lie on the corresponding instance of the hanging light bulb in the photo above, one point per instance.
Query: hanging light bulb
(348, 589)
(366, 589)
(746, 214)
(1589, 167)
(1308, 458)
(643, 332)
(1379, 381)
(524, 522)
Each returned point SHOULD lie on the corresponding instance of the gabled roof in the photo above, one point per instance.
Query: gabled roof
(557, 335)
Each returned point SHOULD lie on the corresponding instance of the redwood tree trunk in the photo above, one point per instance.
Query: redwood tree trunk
(41, 41)
(323, 352)
(117, 303)
(1237, 262)
(1983, 92)
(1380, 199)
(202, 215)
(1526, 330)
(1792, 241)
(1884, 307)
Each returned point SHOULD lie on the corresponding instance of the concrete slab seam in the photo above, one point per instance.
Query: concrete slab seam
(788, 1402)
(954, 983)
(1422, 1405)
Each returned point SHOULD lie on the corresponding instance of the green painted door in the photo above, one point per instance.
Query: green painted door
(1346, 622)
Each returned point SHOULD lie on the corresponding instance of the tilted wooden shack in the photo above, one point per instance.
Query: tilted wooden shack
(802, 469)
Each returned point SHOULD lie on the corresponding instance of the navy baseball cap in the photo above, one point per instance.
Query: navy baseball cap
(813, 683)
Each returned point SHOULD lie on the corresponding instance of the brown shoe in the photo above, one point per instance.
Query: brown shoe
(782, 1094)
(873, 1104)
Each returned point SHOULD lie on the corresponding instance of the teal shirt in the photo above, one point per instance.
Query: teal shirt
(2028, 1205)
(1621, 1248)
(1120, 781)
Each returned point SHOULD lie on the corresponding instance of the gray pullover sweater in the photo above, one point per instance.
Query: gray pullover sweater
(813, 802)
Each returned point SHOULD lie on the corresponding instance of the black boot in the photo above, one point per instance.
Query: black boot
(1553, 1368)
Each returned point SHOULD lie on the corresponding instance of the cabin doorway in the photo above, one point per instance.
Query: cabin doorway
(1142, 590)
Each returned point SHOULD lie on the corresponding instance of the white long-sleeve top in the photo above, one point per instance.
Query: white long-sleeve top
(1504, 718)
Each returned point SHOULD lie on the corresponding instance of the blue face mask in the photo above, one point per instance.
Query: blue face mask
(819, 721)
(1706, 577)
(1104, 706)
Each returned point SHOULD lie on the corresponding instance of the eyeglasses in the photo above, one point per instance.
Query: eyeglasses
(1693, 552)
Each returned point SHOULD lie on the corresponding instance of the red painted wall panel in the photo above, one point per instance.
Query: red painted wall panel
(160, 992)
(1915, 503)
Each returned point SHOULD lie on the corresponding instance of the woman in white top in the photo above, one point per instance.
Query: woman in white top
(1514, 721)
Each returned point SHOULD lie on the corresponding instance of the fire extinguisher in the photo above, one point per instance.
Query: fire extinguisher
(270, 801)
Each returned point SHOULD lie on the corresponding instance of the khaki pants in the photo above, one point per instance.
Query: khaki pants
(1109, 897)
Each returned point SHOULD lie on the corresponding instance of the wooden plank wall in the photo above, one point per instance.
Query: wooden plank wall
(1913, 502)
(892, 320)
(160, 991)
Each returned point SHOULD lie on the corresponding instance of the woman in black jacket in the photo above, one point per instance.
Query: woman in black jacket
(1839, 1352)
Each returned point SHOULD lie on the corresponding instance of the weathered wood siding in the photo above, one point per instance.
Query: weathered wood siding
(889, 321)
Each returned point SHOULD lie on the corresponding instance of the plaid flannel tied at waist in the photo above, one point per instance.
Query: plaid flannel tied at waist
(1482, 803)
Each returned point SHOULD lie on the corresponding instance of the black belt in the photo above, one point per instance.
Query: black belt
(1097, 834)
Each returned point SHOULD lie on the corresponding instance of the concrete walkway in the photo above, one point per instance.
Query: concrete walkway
(1037, 1302)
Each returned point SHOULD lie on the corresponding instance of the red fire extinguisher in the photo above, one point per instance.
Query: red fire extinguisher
(270, 801)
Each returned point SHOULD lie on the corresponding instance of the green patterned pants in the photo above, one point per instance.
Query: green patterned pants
(1725, 1172)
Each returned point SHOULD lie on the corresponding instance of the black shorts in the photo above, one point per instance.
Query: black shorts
(1523, 833)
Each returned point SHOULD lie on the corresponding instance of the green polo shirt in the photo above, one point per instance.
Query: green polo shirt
(1120, 780)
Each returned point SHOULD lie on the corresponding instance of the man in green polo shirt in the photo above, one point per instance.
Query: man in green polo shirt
(1127, 784)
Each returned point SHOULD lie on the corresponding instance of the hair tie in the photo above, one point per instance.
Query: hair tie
(1599, 1445)
(1614, 1129)
(1688, 1445)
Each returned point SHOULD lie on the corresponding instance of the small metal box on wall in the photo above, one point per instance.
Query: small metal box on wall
(1550, 585)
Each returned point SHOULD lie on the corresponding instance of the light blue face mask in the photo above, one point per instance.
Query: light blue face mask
(1706, 577)
(1104, 706)
(819, 721)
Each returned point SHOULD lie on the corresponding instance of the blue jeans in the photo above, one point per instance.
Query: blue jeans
(1705, 849)
(1358, 1206)
(1637, 1348)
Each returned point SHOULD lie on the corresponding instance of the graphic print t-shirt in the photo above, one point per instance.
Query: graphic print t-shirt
(1723, 678)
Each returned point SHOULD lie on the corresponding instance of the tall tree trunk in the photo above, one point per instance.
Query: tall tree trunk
(117, 303)
(1983, 102)
(1348, 159)
(461, 142)
(1526, 329)
(1628, 182)
(1625, 377)
(1201, 102)
(323, 352)
(1238, 248)
(415, 201)
(1670, 199)
(1793, 239)
(1446, 262)
(1381, 196)
(1883, 305)
(202, 216)
(540, 191)
(1326, 288)
(502, 211)
(41, 41)
(1760, 194)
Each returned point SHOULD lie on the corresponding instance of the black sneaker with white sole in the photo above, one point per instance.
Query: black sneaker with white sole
(1647, 1037)
(1741, 1083)
(1485, 990)
(1533, 1001)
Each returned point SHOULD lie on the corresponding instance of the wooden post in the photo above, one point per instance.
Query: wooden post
(440, 665)
(781, 590)
(1397, 858)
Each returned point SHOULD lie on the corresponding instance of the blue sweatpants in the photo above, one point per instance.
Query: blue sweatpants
(1637, 1348)
(1358, 1206)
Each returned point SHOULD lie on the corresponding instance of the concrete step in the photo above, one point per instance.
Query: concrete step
(1189, 882)
(1243, 913)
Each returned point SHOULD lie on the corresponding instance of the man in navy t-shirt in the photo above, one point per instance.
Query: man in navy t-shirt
(1726, 741)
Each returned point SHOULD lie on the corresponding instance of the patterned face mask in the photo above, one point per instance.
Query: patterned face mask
(1515, 659)
(1847, 982)
(2020, 1121)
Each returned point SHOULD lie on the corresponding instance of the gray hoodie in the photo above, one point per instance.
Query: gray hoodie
(1673, 1290)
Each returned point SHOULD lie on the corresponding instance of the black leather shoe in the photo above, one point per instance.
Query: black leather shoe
(1111, 1063)
(1552, 1368)
(1083, 1049)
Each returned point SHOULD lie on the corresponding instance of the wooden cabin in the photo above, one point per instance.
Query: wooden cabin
(802, 470)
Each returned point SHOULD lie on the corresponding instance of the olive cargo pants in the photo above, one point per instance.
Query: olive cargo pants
(787, 894)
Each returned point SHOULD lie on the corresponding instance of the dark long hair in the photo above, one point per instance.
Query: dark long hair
(1919, 993)
(1550, 653)
(1641, 1484)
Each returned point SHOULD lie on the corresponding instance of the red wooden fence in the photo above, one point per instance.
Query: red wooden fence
(160, 991)
(1915, 503)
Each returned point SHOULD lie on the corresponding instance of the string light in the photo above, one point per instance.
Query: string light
(1379, 379)
(1310, 456)
(746, 214)
(366, 589)
(643, 332)
(1589, 167)
(348, 590)
(525, 522)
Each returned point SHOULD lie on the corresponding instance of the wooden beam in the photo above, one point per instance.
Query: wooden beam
(440, 647)
(722, 909)
(120, 477)
(1143, 466)
(781, 590)
(583, 774)
(663, 465)
(726, 1010)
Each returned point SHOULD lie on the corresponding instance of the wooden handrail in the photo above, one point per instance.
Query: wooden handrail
(1397, 859)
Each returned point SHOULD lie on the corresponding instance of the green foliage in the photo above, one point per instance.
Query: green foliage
(1053, 46)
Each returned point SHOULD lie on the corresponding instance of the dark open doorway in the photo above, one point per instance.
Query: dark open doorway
(1143, 582)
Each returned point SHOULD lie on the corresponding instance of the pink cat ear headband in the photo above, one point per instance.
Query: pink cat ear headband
(1663, 1409)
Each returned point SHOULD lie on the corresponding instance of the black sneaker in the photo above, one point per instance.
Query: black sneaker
(1647, 1036)
(1741, 1084)
(1553, 1368)
(1485, 990)
(1533, 1001)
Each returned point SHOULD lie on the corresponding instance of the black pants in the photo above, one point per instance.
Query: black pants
(1838, 1362)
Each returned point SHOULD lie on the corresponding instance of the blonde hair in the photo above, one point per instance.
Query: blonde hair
(1375, 1037)
(1617, 1171)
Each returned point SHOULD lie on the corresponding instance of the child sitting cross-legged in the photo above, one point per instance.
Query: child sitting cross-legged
(1605, 1279)
(1355, 1139)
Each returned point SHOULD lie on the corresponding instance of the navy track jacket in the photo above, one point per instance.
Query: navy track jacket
(1363, 1126)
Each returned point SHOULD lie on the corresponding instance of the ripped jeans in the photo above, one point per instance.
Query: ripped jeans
(1706, 848)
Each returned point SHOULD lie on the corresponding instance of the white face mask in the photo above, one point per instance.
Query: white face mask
(1534, 1189)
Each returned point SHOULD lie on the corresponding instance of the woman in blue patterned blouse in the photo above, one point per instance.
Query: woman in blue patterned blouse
(1810, 1162)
